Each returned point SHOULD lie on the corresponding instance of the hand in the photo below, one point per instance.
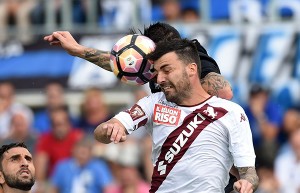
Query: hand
(243, 186)
(115, 132)
(66, 41)
(110, 131)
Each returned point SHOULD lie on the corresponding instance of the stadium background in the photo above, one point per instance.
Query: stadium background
(252, 41)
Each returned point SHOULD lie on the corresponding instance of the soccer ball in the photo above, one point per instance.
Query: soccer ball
(128, 62)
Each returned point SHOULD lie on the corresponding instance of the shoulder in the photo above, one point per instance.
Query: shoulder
(233, 110)
(155, 96)
(152, 99)
(230, 106)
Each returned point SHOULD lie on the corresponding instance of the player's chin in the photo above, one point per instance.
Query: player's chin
(170, 97)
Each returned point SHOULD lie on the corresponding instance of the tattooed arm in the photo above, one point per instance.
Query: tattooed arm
(248, 182)
(70, 45)
(215, 84)
(98, 57)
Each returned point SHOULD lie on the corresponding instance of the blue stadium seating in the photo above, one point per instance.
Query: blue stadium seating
(47, 63)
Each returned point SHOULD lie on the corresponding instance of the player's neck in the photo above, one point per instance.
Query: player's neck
(197, 97)
(13, 190)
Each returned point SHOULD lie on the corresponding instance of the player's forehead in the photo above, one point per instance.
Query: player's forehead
(17, 151)
(166, 60)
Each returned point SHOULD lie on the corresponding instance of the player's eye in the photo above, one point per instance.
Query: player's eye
(28, 158)
(167, 70)
(14, 158)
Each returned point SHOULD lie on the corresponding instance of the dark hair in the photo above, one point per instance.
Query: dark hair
(258, 88)
(184, 48)
(5, 148)
(159, 31)
(62, 108)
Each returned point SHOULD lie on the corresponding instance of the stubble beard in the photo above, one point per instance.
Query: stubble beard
(21, 184)
(182, 90)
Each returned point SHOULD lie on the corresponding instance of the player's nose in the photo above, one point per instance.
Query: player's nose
(24, 162)
(160, 78)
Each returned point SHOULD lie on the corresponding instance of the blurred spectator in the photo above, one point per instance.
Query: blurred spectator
(54, 98)
(129, 178)
(190, 15)
(171, 10)
(245, 11)
(120, 14)
(265, 118)
(267, 180)
(55, 145)
(21, 130)
(81, 173)
(287, 166)
(291, 120)
(17, 11)
(8, 106)
(94, 110)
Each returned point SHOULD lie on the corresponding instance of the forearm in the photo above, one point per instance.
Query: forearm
(216, 85)
(97, 57)
(249, 174)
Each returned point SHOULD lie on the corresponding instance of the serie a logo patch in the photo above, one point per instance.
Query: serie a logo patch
(166, 115)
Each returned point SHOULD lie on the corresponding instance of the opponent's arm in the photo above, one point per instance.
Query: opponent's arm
(98, 57)
(68, 43)
(215, 84)
(110, 131)
(248, 182)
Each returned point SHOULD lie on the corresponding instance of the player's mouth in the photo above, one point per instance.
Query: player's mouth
(166, 87)
(24, 171)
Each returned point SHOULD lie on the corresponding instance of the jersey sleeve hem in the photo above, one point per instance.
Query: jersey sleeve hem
(123, 117)
(244, 161)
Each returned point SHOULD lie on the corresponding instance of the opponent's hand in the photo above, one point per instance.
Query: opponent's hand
(110, 131)
(66, 41)
(243, 186)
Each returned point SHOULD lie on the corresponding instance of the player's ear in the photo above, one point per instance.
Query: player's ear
(2, 180)
(192, 69)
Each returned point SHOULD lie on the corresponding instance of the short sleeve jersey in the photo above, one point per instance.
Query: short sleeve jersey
(193, 147)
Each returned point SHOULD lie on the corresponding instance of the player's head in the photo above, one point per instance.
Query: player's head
(16, 167)
(177, 65)
(160, 31)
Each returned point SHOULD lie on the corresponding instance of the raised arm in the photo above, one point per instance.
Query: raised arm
(110, 131)
(216, 85)
(248, 182)
(70, 45)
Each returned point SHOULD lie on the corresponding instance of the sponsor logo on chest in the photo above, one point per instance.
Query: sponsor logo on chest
(166, 115)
